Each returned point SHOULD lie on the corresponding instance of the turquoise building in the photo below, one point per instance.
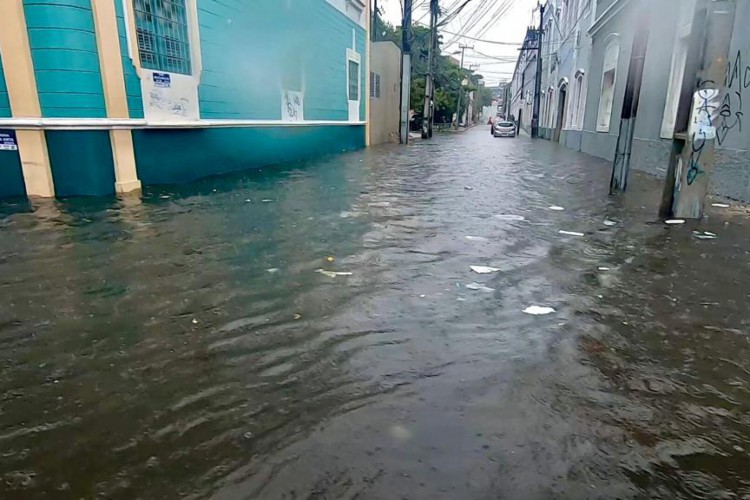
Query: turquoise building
(104, 96)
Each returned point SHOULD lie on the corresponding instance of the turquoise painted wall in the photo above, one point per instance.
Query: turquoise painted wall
(251, 48)
(66, 62)
(174, 156)
(81, 162)
(4, 102)
(132, 82)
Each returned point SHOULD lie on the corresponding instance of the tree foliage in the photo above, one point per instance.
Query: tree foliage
(448, 75)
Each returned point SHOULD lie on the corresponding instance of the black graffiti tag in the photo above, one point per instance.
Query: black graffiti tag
(737, 80)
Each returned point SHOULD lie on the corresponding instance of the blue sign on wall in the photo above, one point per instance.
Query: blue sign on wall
(163, 80)
(8, 140)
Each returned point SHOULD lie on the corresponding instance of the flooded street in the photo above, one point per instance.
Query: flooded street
(184, 345)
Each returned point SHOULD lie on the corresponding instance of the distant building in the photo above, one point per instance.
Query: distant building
(102, 96)
(521, 94)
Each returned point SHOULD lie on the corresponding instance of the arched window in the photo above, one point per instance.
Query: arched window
(609, 80)
(578, 102)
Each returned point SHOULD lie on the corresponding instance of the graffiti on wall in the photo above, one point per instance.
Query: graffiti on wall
(292, 106)
(737, 81)
(702, 129)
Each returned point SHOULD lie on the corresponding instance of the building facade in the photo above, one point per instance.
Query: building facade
(566, 52)
(521, 89)
(605, 60)
(103, 96)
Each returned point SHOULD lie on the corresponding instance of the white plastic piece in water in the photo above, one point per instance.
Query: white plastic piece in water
(510, 217)
(720, 205)
(468, 188)
(266, 200)
(704, 235)
(333, 274)
(604, 268)
(570, 233)
(674, 221)
(272, 270)
(479, 287)
(538, 310)
(556, 208)
(484, 269)
(476, 238)
(610, 223)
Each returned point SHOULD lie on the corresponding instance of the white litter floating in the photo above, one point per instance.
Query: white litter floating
(484, 269)
(468, 188)
(570, 233)
(272, 270)
(538, 310)
(604, 268)
(674, 221)
(706, 235)
(476, 238)
(509, 217)
(720, 205)
(610, 223)
(556, 208)
(479, 287)
(333, 274)
(266, 200)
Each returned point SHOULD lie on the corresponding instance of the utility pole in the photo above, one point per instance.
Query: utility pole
(538, 82)
(460, 84)
(429, 84)
(699, 112)
(621, 164)
(405, 71)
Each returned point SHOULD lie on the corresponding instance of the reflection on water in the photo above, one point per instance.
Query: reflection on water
(185, 344)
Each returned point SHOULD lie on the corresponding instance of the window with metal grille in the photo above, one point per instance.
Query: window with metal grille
(353, 80)
(374, 85)
(162, 32)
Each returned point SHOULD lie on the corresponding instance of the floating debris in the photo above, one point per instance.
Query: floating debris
(510, 217)
(248, 200)
(468, 188)
(609, 223)
(476, 238)
(266, 200)
(720, 205)
(706, 235)
(297, 316)
(674, 221)
(329, 258)
(604, 268)
(195, 321)
(484, 269)
(333, 274)
(570, 233)
(538, 310)
(272, 270)
(479, 287)
(556, 208)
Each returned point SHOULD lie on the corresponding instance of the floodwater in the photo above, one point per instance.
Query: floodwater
(184, 344)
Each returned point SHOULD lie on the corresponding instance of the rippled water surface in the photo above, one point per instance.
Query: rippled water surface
(184, 344)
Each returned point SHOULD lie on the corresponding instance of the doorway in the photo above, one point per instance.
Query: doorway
(562, 101)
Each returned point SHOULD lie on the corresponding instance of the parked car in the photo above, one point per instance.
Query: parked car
(504, 129)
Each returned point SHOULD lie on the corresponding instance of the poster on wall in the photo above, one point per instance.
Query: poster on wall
(8, 140)
(292, 106)
(169, 97)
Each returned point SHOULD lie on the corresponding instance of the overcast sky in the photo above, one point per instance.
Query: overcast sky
(509, 27)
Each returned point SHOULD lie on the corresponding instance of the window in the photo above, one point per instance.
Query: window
(162, 32)
(677, 72)
(374, 85)
(353, 80)
(579, 101)
(609, 79)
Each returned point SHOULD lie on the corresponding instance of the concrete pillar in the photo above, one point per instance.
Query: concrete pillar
(115, 95)
(24, 100)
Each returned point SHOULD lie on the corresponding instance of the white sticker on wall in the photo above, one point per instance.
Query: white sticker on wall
(169, 96)
(292, 106)
(704, 113)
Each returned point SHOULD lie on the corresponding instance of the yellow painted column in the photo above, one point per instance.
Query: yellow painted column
(23, 97)
(115, 96)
